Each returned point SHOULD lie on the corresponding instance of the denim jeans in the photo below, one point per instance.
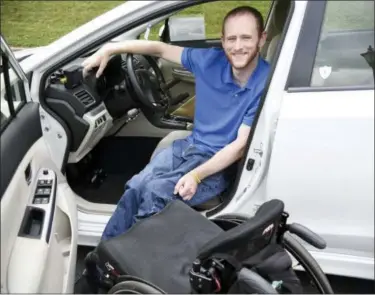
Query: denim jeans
(149, 191)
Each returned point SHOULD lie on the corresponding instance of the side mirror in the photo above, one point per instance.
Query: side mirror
(369, 56)
(186, 28)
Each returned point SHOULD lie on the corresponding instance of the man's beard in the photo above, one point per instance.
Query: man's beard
(249, 60)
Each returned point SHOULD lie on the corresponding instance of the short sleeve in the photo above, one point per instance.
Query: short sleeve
(192, 59)
(250, 114)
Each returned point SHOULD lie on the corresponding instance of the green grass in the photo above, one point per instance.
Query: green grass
(37, 23)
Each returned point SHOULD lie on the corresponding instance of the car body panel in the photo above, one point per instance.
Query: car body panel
(323, 160)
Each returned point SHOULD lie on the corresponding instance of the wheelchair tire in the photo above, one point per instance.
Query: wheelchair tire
(133, 287)
(249, 282)
(308, 262)
(299, 252)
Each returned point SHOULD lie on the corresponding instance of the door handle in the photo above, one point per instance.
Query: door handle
(32, 223)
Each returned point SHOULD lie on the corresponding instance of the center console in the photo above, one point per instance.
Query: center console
(99, 122)
(69, 86)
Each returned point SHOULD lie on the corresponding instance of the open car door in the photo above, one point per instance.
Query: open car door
(38, 224)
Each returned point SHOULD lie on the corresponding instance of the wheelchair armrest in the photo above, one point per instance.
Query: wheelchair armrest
(307, 235)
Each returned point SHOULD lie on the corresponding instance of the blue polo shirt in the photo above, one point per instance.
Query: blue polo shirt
(221, 106)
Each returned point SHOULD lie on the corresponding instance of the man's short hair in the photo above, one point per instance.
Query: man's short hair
(241, 10)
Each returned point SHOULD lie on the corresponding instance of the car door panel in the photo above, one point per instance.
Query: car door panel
(186, 109)
(38, 246)
(48, 264)
(312, 129)
(38, 222)
(12, 143)
(323, 159)
(172, 71)
(182, 74)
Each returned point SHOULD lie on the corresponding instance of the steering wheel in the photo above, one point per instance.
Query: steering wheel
(149, 87)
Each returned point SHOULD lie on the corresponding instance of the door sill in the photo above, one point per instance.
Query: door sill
(90, 228)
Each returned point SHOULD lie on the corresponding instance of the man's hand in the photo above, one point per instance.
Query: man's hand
(186, 187)
(98, 59)
(145, 47)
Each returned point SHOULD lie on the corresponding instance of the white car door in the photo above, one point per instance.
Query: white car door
(322, 163)
(38, 226)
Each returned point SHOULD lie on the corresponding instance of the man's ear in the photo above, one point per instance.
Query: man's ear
(263, 39)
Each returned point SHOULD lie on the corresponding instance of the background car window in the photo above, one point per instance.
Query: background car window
(17, 94)
(213, 13)
(346, 40)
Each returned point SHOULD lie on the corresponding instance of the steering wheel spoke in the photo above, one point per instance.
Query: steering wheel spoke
(148, 82)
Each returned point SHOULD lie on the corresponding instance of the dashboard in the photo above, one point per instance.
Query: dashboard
(89, 106)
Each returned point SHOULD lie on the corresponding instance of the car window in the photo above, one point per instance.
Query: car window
(345, 46)
(17, 92)
(213, 14)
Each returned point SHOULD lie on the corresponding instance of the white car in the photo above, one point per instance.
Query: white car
(68, 146)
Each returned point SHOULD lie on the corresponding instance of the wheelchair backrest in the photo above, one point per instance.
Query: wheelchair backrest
(248, 238)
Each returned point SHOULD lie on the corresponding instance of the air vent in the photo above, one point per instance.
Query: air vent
(85, 98)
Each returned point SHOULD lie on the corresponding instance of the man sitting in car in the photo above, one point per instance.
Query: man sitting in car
(229, 84)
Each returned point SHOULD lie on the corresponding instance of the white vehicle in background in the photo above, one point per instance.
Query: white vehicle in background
(68, 146)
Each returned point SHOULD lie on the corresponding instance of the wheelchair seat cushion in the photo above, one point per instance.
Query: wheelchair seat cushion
(160, 249)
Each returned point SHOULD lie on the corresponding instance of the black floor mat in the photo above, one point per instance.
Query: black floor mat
(124, 155)
(109, 192)
(120, 158)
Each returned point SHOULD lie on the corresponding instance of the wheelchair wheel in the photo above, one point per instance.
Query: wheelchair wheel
(133, 287)
(291, 245)
(312, 268)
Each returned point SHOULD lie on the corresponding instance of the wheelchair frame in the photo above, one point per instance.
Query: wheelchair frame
(216, 274)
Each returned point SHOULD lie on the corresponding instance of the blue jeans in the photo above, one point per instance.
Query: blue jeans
(152, 189)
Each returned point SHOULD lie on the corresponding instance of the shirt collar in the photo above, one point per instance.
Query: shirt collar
(228, 75)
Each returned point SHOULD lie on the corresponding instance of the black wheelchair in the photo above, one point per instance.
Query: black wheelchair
(180, 251)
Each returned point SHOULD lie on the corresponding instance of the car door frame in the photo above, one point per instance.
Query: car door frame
(9, 142)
